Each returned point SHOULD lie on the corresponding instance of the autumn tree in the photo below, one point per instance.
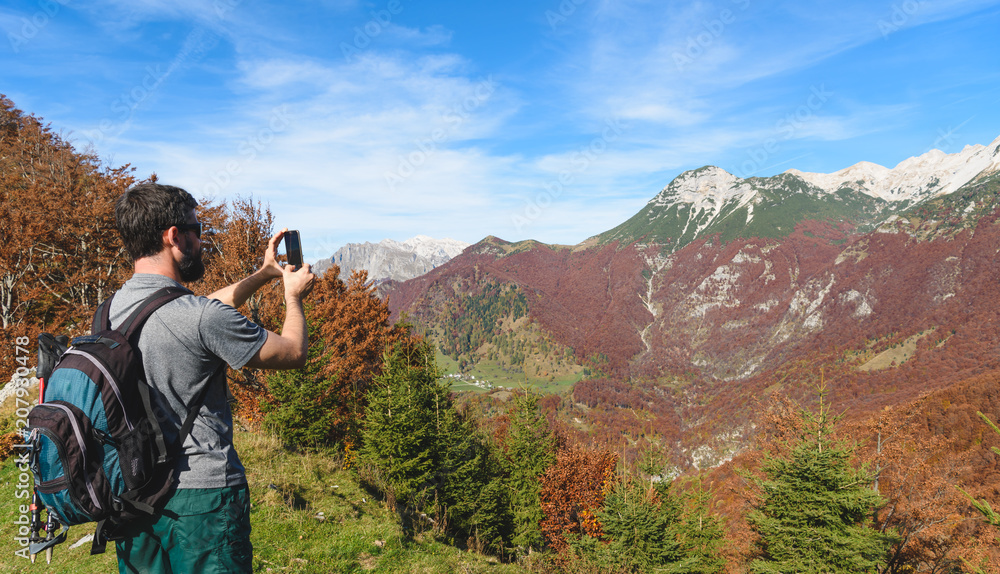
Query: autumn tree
(920, 505)
(989, 514)
(349, 333)
(573, 492)
(353, 331)
(235, 240)
(60, 254)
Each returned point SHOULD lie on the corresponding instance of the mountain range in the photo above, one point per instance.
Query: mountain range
(723, 290)
(393, 260)
(709, 200)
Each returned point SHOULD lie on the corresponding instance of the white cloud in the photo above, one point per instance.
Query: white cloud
(407, 134)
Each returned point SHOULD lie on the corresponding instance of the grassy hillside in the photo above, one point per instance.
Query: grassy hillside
(357, 534)
(487, 334)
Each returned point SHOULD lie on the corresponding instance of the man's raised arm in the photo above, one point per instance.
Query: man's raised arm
(290, 349)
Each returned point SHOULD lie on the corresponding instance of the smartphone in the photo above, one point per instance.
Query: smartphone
(293, 248)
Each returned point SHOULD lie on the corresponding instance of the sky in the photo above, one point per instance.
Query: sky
(552, 120)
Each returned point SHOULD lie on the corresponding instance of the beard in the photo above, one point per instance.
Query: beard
(191, 266)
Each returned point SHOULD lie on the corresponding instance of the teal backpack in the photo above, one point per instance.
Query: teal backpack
(97, 447)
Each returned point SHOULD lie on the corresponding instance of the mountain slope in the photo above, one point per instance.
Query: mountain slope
(722, 291)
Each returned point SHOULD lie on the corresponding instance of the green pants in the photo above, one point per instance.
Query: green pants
(202, 530)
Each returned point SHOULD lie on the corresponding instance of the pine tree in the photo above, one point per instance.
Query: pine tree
(700, 533)
(302, 412)
(640, 521)
(400, 430)
(429, 458)
(470, 486)
(530, 450)
(815, 508)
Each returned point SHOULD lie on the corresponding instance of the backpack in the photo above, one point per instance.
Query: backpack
(97, 448)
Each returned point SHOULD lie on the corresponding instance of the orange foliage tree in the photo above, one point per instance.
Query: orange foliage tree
(236, 239)
(914, 477)
(60, 254)
(354, 332)
(573, 490)
(349, 333)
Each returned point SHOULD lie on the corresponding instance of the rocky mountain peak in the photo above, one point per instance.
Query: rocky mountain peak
(390, 259)
(703, 188)
(914, 179)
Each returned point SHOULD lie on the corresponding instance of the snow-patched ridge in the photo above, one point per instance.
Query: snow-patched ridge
(710, 192)
(390, 259)
(706, 188)
(430, 248)
(931, 174)
(707, 191)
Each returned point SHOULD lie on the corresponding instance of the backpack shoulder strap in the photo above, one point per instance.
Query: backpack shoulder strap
(132, 325)
(130, 329)
(135, 321)
(196, 407)
(102, 320)
(102, 317)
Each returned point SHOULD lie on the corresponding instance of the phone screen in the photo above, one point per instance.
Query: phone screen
(293, 248)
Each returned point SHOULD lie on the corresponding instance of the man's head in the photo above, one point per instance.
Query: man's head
(154, 219)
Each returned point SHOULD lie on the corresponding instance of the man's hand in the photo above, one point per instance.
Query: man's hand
(237, 293)
(271, 268)
(298, 283)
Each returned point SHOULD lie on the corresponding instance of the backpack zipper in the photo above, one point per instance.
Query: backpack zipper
(83, 451)
(107, 375)
(55, 485)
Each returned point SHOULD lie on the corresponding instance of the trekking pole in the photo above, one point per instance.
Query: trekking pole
(50, 528)
(42, 372)
(36, 521)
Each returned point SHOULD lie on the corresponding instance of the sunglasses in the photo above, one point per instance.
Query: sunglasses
(196, 227)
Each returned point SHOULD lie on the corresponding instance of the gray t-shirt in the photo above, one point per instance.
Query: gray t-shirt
(183, 345)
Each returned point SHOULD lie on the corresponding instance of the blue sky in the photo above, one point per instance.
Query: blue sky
(551, 120)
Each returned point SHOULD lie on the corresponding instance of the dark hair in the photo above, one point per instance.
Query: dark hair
(145, 210)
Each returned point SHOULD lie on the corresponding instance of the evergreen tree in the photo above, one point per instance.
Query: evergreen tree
(700, 533)
(400, 430)
(428, 457)
(530, 450)
(302, 412)
(322, 404)
(470, 486)
(640, 521)
(815, 507)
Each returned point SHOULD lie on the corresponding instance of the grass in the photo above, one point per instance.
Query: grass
(896, 355)
(288, 491)
(492, 372)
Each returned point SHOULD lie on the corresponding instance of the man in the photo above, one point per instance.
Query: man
(205, 526)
